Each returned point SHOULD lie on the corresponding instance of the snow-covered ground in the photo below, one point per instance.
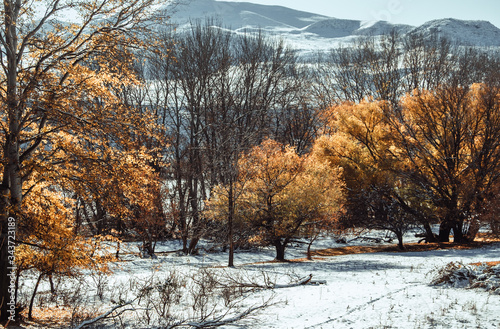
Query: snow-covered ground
(374, 290)
(383, 290)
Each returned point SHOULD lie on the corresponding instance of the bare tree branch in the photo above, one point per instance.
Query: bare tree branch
(104, 316)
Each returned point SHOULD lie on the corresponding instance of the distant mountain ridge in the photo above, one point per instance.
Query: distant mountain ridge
(469, 33)
(239, 15)
(308, 32)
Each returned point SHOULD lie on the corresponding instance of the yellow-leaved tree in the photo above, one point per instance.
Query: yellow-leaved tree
(450, 142)
(278, 194)
(433, 159)
(49, 244)
(60, 118)
(359, 138)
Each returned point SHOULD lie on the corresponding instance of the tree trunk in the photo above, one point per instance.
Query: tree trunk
(399, 235)
(184, 242)
(183, 221)
(18, 274)
(280, 250)
(4, 277)
(101, 217)
(52, 286)
(12, 183)
(309, 245)
(444, 232)
(10, 201)
(11, 189)
(230, 223)
(195, 215)
(4, 263)
(117, 255)
(182, 217)
(32, 301)
(473, 229)
(192, 245)
(309, 255)
(430, 236)
(458, 236)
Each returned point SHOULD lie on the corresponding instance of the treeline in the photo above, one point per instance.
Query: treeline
(412, 121)
(211, 98)
(415, 125)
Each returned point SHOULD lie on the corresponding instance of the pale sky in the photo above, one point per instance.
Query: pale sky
(412, 12)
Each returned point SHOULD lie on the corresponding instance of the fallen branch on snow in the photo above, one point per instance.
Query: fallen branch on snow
(301, 282)
(105, 315)
(222, 322)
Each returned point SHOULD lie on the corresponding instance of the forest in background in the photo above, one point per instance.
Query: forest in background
(116, 129)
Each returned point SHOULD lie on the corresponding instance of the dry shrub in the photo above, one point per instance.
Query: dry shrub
(478, 275)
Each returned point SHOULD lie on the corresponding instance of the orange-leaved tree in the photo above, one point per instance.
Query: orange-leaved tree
(359, 139)
(435, 157)
(56, 77)
(279, 193)
(49, 243)
(117, 178)
(450, 142)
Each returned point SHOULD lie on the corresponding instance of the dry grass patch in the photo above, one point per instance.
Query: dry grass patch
(490, 264)
(56, 317)
(410, 247)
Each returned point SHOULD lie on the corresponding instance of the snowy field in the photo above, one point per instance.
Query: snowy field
(373, 290)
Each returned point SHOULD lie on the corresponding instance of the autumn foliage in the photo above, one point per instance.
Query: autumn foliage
(105, 135)
(69, 143)
(435, 157)
(280, 193)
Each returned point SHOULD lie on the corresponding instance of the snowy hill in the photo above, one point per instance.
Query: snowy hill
(334, 28)
(239, 15)
(382, 27)
(309, 33)
(469, 33)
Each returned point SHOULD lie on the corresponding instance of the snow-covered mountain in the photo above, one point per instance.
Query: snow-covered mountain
(237, 15)
(310, 32)
(469, 33)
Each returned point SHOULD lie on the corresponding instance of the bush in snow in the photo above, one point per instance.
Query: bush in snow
(470, 276)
